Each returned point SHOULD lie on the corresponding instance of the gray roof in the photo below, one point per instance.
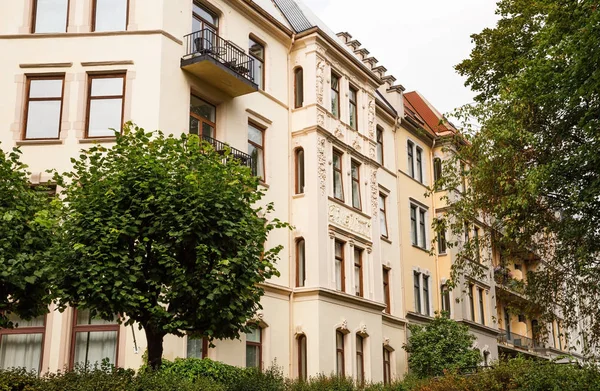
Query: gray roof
(294, 15)
(268, 6)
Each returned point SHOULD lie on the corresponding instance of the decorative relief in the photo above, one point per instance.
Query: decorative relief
(321, 49)
(374, 193)
(321, 119)
(356, 144)
(371, 119)
(322, 171)
(320, 81)
(349, 220)
(386, 341)
(339, 133)
(363, 329)
(344, 325)
(372, 152)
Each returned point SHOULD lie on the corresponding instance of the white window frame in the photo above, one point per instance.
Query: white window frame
(419, 208)
(414, 171)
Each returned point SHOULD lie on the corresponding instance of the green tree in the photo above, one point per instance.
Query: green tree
(441, 345)
(26, 234)
(166, 233)
(533, 147)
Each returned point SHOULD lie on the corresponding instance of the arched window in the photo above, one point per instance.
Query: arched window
(360, 360)
(387, 366)
(302, 359)
(298, 87)
(254, 347)
(437, 168)
(299, 171)
(339, 354)
(300, 263)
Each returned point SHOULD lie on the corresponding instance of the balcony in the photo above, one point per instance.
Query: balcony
(516, 340)
(218, 62)
(221, 147)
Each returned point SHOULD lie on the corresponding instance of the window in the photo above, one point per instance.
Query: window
(413, 225)
(387, 367)
(507, 324)
(358, 272)
(300, 263)
(472, 301)
(446, 306)
(338, 186)
(44, 107)
(22, 346)
(426, 294)
(437, 169)
(257, 52)
(382, 216)
(197, 347)
(352, 105)
(355, 169)
(466, 232)
(340, 280)
(442, 242)
(105, 105)
(411, 160)
(110, 15)
(477, 250)
(203, 18)
(50, 16)
(417, 291)
(298, 87)
(335, 95)
(254, 347)
(386, 290)
(418, 226)
(93, 339)
(422, 236)
(256, 150)
(360, 360)
(420, 164)
(299, 171)
(203, 118)
(481, 307)
(380, 145)
(339, 354)
(302, 358)
(463, 183)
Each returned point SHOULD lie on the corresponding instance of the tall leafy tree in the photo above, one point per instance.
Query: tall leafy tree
(26, 235)
(533, 154)
(167, 233)
(441, 345)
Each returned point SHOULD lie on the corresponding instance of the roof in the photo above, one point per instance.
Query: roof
(385, 102)
(428, 113)
(411, 113)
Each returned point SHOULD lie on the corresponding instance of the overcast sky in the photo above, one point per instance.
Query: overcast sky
(418, 41)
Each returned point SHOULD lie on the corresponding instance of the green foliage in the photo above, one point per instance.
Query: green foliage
(533, 149)
(26, 230)
(194, 368)
(168, 233)
(442, 345)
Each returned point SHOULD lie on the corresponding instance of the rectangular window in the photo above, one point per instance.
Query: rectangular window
(437, 169)
(302, 358)
(413, 225)
(467, 233)
(358, 272)
(386, 290)
(352, 107)
(355, 169)
(446, 307)
(105, 105)
(382, 216)
(426, 294)
(477, 250)
(257, 52)
(197, 347)
(203, 18)
(110, 15)
(43, 109)
(419, 164)
(93, 340)
(50, 16)
(340, 280)
(360, 360)
(203, 118)
(22, 346)
(442, 242)
(472, 301)
(481, 307)
(387, 367)
(298, 88)
(338, 186)
(339, 354)
(299, 154)
(411, 160)
(300, 263)
(256, 145)
(422, 229)
(380, 145)
(335, 95)
(254, 348)
(417, 291)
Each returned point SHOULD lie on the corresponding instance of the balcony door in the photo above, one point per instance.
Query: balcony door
(203, 118)
(205, 26)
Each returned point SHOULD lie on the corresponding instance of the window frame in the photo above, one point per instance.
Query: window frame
(472, 301)
(476, 239)
(360, 359)
(203, 120)
(27, 330)
(300, 263)
(298, 87)
(335, 93)
(355, 182)
(257, 344)
(437, 169)
(417, 291)
(204, 21)
(340, 156)
(204, 346)
(446, 301)
(302, 357)
(422, 228)
(28, 99)
(358, 266)
(83, 328)
(340, 352)
(94, 9)
(299, 168)
(379, 149)
(426, 298)
(260, 148)
(342, 261)
(419, 161)
(34, 17)
(89, 98)
(383, 212)
(263, 60)
(387, 366)
(442, 245)
(481, 306)
(410, 146)
(386, 290)
(353, 106)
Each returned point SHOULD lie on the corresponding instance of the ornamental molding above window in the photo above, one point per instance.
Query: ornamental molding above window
(349, 220)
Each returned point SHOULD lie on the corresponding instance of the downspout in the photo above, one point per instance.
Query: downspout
(291, 239)
(437, 256)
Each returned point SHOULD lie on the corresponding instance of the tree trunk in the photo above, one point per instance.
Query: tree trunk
(155, 348)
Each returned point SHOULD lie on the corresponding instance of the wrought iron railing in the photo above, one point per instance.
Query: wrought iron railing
(221, 147)
(207, 42)
(514, 339)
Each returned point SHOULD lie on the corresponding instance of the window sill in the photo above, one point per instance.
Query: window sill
(93, 140)
(385, 239)
(420, 248)
(295, 196)
(263, 184)
(416, 180)
(442, 254)
(40, 142)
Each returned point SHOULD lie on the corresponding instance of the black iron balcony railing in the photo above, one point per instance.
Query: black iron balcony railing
(207, 42)
(514, 339)
(220, 147)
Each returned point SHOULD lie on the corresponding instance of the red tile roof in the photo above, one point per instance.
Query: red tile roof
(430, 115)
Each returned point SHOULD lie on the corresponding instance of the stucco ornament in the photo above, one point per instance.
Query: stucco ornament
(321, 119)
(386, 341)
(322, 171)
(349, 220)
(356, 144)
(320, 81)
(363, 329)
(374, 193)
(372, 151)
(371, 119)
(344, 325)
(339, 133)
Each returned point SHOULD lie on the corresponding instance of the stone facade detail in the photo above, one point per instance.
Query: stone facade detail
(349, 220)
(322, 161)
(320, 81)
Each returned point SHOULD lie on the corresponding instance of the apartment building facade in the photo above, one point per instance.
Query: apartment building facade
(345, 156)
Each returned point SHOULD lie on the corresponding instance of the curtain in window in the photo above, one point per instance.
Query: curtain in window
(21, 350)
(94, 346)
